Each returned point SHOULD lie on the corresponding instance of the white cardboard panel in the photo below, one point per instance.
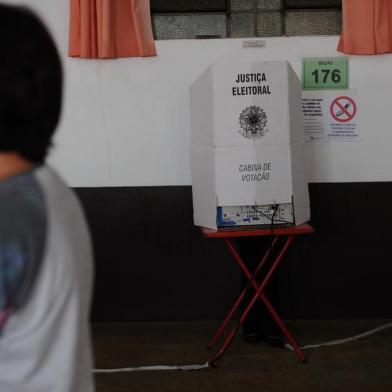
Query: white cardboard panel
(266, 98)
(217, 179)
(228, 107)
(242, 180)
(239, 91)
(295, 110)
(300, 183)
(202, 114)
(203, 188)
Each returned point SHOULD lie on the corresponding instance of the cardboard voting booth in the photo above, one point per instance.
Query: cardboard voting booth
(247, 158)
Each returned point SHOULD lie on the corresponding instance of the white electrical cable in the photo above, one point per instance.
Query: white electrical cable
(149, 368)
(346, 340)
(206, 365)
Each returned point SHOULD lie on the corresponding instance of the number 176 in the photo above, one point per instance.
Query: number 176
(325, 73)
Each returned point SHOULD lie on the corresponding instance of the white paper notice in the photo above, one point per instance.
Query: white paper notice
(331, 115)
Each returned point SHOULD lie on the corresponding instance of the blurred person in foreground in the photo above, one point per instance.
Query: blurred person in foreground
(45, 251)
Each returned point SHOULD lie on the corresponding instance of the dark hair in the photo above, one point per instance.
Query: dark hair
(30, 84)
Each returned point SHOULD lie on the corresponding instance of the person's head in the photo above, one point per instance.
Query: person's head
(30, 85)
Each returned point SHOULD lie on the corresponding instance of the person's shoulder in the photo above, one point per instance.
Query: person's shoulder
(21, 198)
(53, 185)
(47, 175)
(61, 199)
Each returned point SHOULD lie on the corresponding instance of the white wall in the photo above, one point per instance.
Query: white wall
(126, 122)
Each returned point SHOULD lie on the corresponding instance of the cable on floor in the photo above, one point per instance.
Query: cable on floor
(206, 365)
(158, 367)
(346, 340)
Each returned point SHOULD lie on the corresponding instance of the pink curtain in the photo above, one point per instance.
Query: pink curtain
(110, 29)
(367, 27)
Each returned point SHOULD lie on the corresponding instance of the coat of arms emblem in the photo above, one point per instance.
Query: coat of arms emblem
(253, 122)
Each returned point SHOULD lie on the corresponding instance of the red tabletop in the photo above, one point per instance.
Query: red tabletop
(254, 231)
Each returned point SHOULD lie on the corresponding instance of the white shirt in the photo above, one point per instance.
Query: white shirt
(45, 346)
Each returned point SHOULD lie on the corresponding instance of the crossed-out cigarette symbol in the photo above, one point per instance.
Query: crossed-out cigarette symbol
(343, 109)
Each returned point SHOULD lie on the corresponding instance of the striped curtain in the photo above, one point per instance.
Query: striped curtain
(367, 27)
(110, 29)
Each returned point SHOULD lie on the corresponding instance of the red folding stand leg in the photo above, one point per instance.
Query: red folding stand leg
(259, 294)
(230, 315)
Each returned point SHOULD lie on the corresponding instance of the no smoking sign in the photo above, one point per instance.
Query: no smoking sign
(343, 109)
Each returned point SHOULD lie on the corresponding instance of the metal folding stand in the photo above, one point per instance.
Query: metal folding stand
(228, 235)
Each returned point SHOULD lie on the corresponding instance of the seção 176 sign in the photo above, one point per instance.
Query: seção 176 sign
(329, 73)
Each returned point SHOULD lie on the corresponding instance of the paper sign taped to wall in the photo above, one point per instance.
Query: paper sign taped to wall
(331, 115)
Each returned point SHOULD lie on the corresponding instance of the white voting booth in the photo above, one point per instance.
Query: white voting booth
(247, 158)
